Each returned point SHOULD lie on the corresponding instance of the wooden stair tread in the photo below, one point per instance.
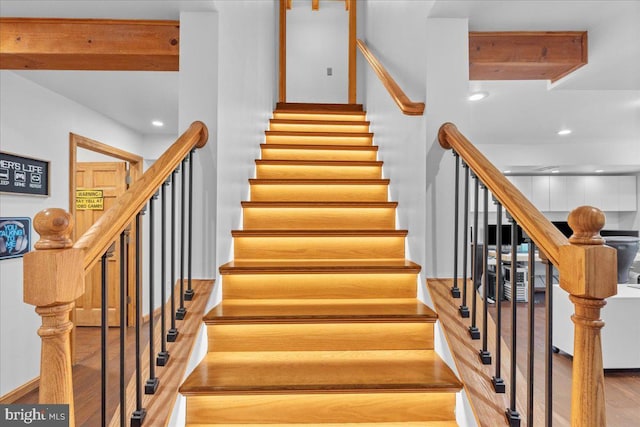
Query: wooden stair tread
(320, 122)
(319, 266)
(319, 205)
(324, 147)
(292, 372)
(365, 424)
(244, 311)
(319, 233)
(337, 163)
(306, 106)
(281, 181)
(318, 134)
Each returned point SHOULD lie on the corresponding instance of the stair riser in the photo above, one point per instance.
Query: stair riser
(319, 117)
(311, 247)
(318, 140)
(319, 218)
(304, 127)
(322, 408)
(317, 172)
(334, 285)
(310, 336)
(311, 154)
(319, 193)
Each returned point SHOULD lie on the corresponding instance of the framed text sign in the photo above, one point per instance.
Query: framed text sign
(23, 175)
(15, 237)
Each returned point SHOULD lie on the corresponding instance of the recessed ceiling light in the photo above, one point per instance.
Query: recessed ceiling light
(477, 96)
(599, 170)
(157, 123)
(555, 171)
(564, 132)
(507, 171)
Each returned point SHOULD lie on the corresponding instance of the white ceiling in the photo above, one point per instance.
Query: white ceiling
(600, 102)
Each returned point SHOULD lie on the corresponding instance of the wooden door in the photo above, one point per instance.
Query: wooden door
(110, 178)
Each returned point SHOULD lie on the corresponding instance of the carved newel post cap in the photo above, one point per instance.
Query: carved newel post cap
(54, 226)
(586, 223)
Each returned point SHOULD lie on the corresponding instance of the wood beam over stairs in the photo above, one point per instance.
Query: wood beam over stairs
(89, 44)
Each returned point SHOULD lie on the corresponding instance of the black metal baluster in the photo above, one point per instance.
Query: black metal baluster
(548, 361)
(188, 295)
(140, 413)
(172, 335)
(151, 385)
(104, 329)
(497, 381)
(124, 255)
(163, 355)
(474, 332)
(455, 290)
(463, 309)
(485, 354)
(531, 345)
(513, 417)
(182, 311)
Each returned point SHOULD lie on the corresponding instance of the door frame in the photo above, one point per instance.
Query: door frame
(282, 51)
(135, 168)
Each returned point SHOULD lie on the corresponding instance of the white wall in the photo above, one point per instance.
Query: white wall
(246, 98)
(36, 122)
(199, 32)
(396, 34)
(153, 145)
(316, 40)
(447, 80)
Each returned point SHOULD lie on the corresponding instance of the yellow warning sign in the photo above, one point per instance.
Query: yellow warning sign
(89, 200)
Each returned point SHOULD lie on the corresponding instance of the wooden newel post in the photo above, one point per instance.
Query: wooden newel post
(53, 280)
(588, 272)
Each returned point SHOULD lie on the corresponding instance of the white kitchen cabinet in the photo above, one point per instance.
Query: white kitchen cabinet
(558, 194)
(523, 183)
(575, 192)
(540, 192)
(553, 193)
(601, 192)
(627, 193)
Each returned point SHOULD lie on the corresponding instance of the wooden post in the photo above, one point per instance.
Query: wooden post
(588, 272)
(53, 280)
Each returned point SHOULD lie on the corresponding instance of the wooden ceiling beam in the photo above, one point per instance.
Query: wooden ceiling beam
(89, 44)
(315, 4)
(525, 55)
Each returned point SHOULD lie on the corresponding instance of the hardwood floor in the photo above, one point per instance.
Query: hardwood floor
(87, 370)
(622, 387)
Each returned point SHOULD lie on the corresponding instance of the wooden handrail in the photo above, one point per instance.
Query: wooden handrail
(53, 274)
(548, 238)
(407, 106)
(588, 272)
(95, 241)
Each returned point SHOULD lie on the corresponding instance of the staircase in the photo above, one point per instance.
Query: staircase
(319, 323)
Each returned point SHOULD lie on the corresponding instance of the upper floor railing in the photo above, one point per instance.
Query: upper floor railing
(407, 106)
(587, 271)
(54, 278)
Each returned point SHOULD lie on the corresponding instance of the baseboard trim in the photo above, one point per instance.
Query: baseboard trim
(20, 392)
